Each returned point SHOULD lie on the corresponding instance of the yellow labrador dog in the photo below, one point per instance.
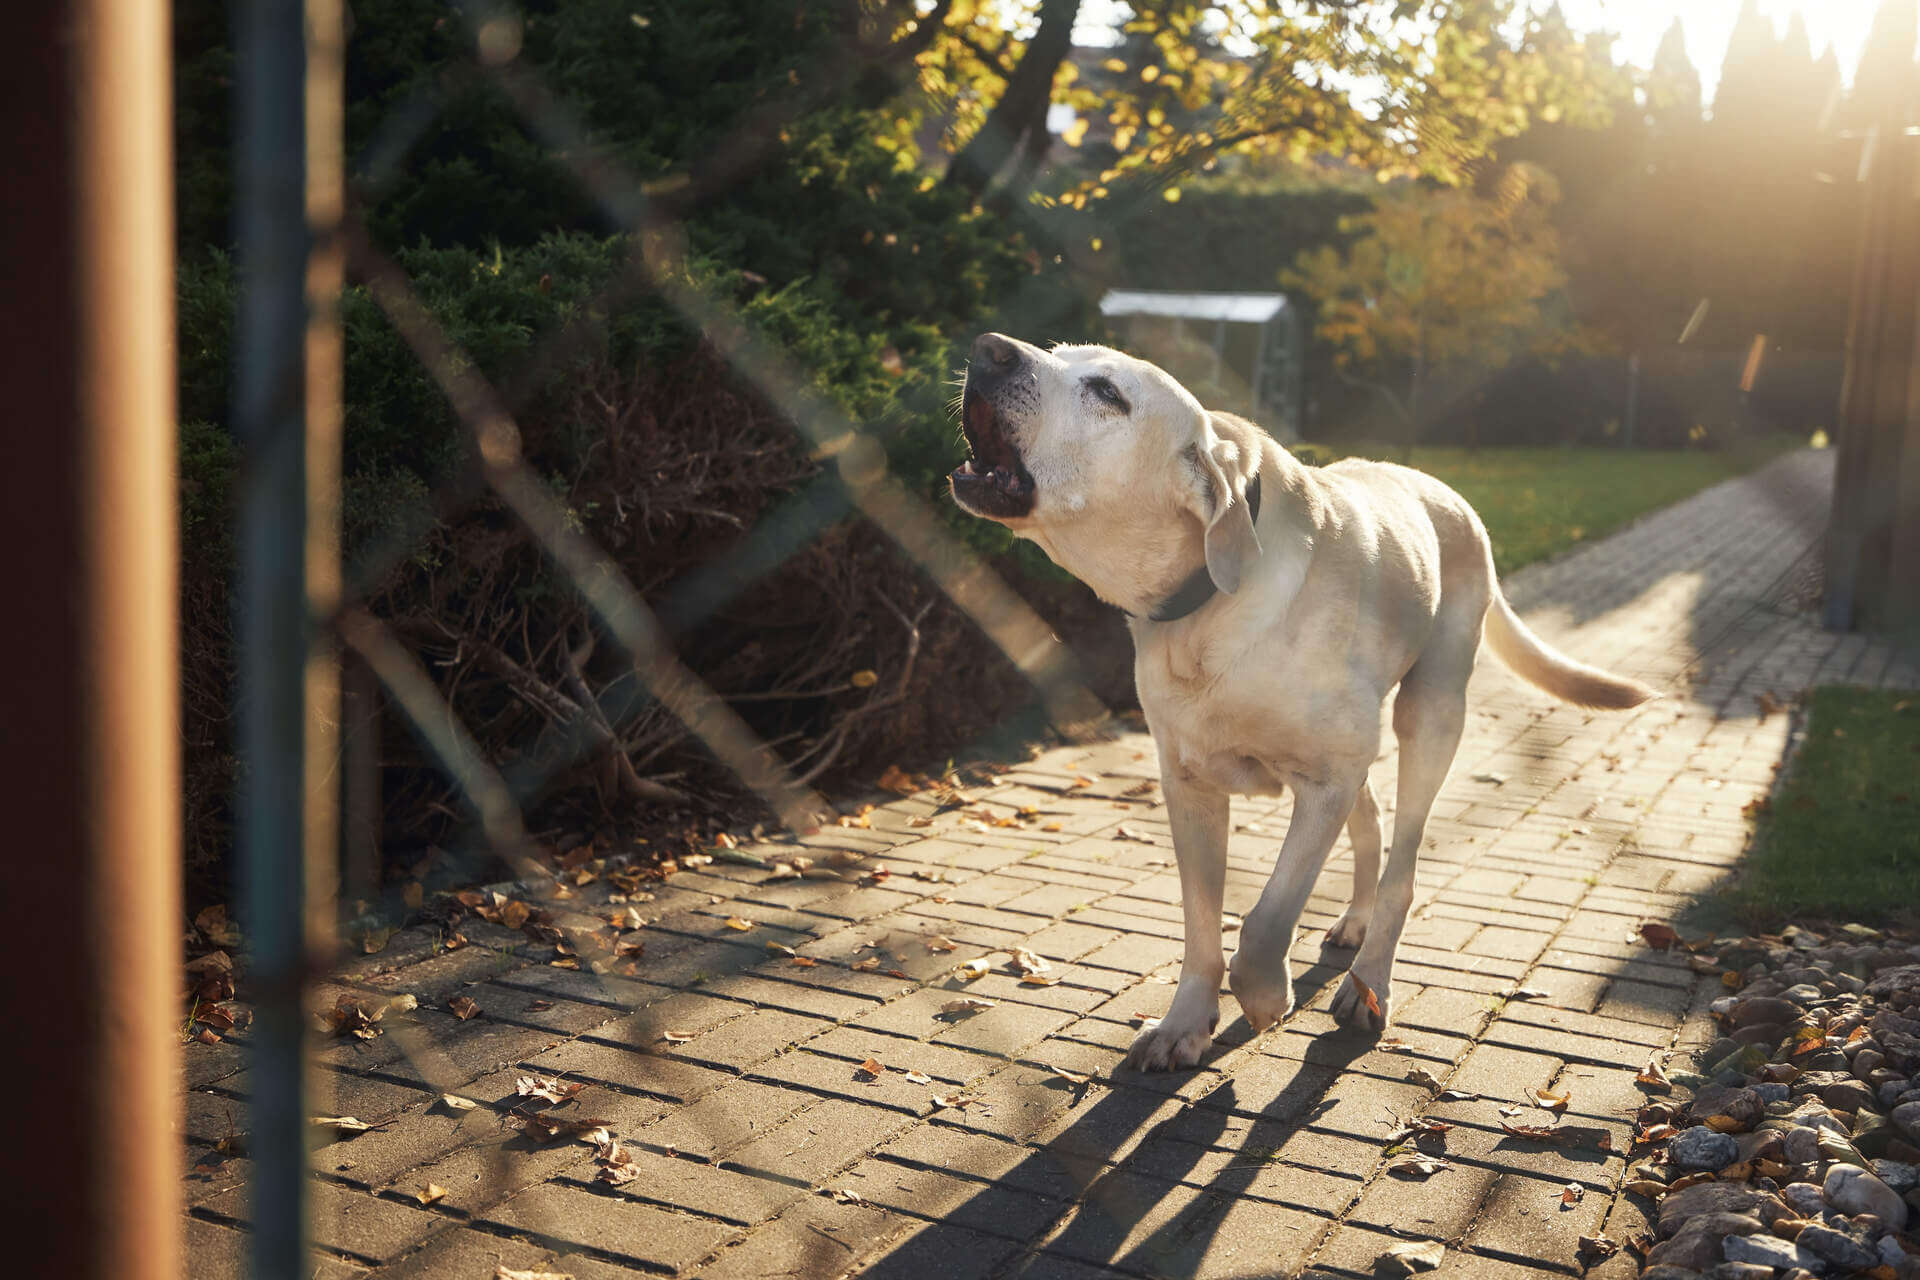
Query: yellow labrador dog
(1273, 607)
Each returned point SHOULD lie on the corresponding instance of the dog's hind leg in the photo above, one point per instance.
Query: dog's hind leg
(1428, 715)
(1198, 816)
(1261, 976)
(1363, 830)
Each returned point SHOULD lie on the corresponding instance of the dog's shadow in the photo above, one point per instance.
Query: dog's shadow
(1130, 1169)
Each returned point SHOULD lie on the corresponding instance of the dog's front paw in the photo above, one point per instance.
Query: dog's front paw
(1360, 1006)
(1264, 997)
(1170, 1046)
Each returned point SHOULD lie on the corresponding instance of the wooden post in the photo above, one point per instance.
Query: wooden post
(90, 755)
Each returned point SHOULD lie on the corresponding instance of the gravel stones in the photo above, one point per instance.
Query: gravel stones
(1764, 1009)
(1906, 1117)
(1804, 1199)
(1702, 1148)
(1851, 1189)
(1842, 1249)
(1739, 1103)
(1770, 1251)
(1717, 1197)
(1803, 1145)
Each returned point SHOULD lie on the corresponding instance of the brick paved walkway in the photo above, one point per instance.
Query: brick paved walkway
(1559, 833)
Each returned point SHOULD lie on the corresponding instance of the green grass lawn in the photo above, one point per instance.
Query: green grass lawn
(1537, 502)
(1842, 838)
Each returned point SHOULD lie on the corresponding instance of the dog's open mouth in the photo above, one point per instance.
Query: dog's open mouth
(992, 482)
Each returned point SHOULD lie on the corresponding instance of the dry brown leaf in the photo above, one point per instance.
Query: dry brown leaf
(1653, 1078)
(971, 970)
(865, 966)
(677, 1037)
(1411, 1257)
(1026, 962)
(780, 948)
(505, 1272)
(968, 1005)
(344, 1124)
(1053, 826)
(918, 1077)
(1660, 937)
(1075, 1078)
(1423, 1077)
(735, 922)
(1549, 1100)
(1456, 1095)
(464, 1008)
(898, 781)
(802, 962)
(515, 914)
(1571, 1194)
(1723, 1124)
(547, 1088)
(454, 1102)
(941, 942)
(872, 1069)
(626, 919)
(1646, 1187)
(1418, 1167)
(213, 923)
(1039, 980)
(843, 1196)
(432, 1193)
(1597, 1249)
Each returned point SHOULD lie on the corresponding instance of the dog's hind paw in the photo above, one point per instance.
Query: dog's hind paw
(1360, 1006)
(1350, 930)
(1166, 1046)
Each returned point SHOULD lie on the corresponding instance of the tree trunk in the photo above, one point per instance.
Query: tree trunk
(1413, 404)
(1023, 107)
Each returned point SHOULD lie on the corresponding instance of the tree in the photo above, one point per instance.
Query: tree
(1436, 281)
(1275, 77)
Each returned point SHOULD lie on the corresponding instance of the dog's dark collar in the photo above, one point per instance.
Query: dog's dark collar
(1199, 588)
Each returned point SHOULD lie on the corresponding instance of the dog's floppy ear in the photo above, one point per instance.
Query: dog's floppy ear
(1225, 467)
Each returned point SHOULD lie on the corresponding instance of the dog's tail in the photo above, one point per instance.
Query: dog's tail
(1544, 667)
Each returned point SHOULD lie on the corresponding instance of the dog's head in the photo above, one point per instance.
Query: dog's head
(1108, 463)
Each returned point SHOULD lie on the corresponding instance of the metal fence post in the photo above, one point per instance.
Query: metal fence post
(287, 410)
(90, 754)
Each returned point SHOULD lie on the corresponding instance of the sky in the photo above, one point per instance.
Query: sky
(1708, 23)
(1640, 23)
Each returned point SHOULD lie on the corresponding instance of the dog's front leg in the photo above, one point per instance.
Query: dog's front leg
(1262, 978)
(1198, 816)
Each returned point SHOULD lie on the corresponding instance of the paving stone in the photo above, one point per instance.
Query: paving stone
(1527, 1220)
(570, 1215)
(1016, 1214)
(463, 1251)
(629, 1069)
(216, 1251)
(728, 1194)
(816, 1239)
(345, 1220)
(825, 1138)
(736, 1113)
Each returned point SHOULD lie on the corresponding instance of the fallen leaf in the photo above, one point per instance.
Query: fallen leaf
(454, 1102)
(515, 914)
(898, 781)
(549, 1126)
(1549, 1100)
(1423, 1077)
(546, 1088)
(1566, 1135)
(615, 1175)
(1571, 1194)
(627, 919)
(344, 1124)
(735, 922)
(1597, 1248)
(1529, 993)
(803, 962)
(1456, 1095)
(1646, 1187)
(843, 1196)
(217, 928)
(676, 1037)
(780, 948)
(872, 1068)
(1660, 937)
(1038, 980)
(1027, 963)
(504, 1272)
(968, 1005)
(1723, 1124)
(971, 970)
(1653, 1078)
(1418, 1167)
(941, 942)
(464, 1007)
(432, 1193)
(1412, 1257)
(865, 966)
(918, 1077)
(1074, 1078)
(1513, 1110)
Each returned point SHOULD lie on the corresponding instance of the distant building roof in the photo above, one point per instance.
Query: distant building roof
(1235, 308)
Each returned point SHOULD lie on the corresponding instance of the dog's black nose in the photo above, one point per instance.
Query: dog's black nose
(995, 353)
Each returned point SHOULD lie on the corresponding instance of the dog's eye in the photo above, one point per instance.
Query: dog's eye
(1108, 392)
